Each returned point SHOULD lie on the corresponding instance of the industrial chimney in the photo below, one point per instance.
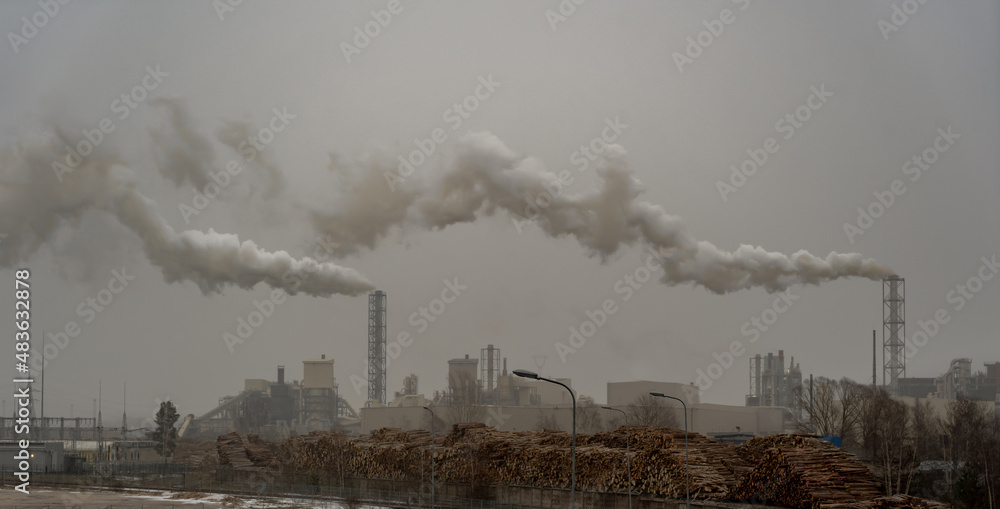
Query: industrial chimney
(376, 346)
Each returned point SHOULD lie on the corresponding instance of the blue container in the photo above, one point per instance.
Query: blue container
(833, 440)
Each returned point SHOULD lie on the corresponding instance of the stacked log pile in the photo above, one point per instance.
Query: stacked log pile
(196, 453)
(475, 452)
(799, 471)
(803, 471)
(260, 452)
(753, 450)
(319, 451)
(389, 453)
(240, 454)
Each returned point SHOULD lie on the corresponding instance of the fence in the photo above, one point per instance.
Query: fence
(319, 489)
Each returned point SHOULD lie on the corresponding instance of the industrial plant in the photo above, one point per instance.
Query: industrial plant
(482, 388)
(484, 404)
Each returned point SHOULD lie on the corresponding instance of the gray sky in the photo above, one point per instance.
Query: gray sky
(888, 93)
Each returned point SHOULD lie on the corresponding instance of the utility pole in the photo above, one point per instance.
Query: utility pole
(41, 427)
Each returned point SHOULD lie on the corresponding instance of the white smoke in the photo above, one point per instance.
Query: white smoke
(181, 154)
(236, 135)
(34, 204)
(484, 176)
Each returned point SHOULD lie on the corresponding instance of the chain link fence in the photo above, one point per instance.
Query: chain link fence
(313, 489)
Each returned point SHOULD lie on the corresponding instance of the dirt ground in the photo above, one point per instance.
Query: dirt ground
(47, 498)
(74, 499)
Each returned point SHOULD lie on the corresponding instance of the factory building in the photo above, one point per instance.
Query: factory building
(958, 380)
(494, 396)
(44, 456)
(278, 409)
(771, 383)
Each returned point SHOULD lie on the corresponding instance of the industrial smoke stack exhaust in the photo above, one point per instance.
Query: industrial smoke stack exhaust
(479, 177)
(484, 177)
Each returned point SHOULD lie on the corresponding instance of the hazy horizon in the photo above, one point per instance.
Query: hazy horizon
(738, 160)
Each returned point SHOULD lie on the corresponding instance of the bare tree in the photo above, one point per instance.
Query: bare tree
(831, 407)
(966, 424)
(991, 464)
(893, 445)
(849, 395)
(547, 421)
(896, 438)
(648, 410)
(926, 432)
(588, 415)
(972, 438)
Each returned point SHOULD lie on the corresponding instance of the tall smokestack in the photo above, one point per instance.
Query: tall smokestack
(376, 345)
(893, 331)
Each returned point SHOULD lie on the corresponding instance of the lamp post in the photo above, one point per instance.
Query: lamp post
(628, 466)
(432, 454)
(687, 467)
(572, 480)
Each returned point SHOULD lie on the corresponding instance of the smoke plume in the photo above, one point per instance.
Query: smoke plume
(481, 178)
(35, 203)
(485, 176)
(182, 155)
(236, 135)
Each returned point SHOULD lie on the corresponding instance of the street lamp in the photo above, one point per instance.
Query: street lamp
(523, 373)
(628, 466)
(687, 467)
(432, 454)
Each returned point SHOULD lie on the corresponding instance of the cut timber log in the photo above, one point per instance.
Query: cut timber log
(798, 471)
